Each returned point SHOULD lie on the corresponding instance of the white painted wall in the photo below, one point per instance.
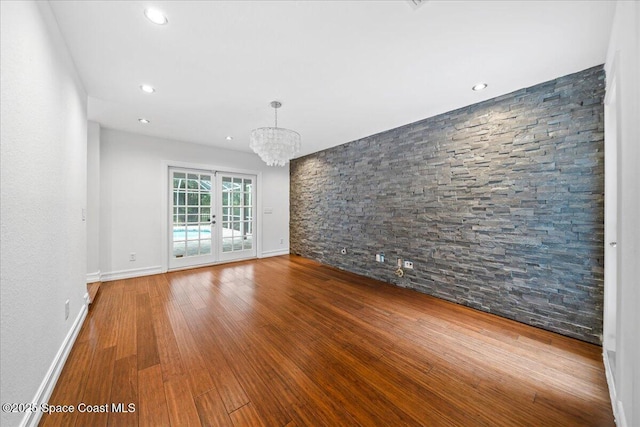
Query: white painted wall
(133, 198)
(93, 202)
(43, 134)
(625, 71)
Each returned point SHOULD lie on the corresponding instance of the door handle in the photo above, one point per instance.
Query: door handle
(613, 244)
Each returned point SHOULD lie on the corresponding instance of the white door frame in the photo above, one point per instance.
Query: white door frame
(234, 255)
(166, 226)
(611, 180)
(612, 259)
(202, 259)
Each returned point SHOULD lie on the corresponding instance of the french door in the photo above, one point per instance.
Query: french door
(193, 218)
(211, 217)
(237, 237)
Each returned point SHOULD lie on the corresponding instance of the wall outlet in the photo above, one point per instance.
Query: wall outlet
(66, 309)
(282, 241)
(132, 256)
(343, 251)
(408, 264)
(399, 263)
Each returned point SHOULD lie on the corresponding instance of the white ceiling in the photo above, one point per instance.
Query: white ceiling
(342, 69)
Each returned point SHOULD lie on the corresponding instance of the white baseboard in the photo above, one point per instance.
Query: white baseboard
(94, 277)
(609, 376)
(621, 419)
(128, 274)
(266, 254)
(157, 269)
(46, 387)
(616, 405)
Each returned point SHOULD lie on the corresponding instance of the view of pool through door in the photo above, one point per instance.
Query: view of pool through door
(193, 218)
(211, 217)
(238, 223)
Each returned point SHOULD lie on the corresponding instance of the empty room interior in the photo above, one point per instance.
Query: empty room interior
(320, 213)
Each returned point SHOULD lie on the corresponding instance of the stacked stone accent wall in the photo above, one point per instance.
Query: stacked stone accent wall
(499, 205)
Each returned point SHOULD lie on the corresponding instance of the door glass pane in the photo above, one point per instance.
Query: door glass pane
(192, 181)
(226, 184)
(178, 180)
(205, 183)
(178, 249)
(237, 243)
(205, 215)
(191, 214)
(179, 233)
(193, 233)
(247, 228)
(192, 247)
(237, 214)
(226, 244)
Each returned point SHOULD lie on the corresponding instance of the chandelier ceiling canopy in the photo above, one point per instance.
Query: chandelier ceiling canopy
(275, 146)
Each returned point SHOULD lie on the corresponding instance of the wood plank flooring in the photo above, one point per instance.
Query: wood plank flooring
(285, 341)
(92, 290)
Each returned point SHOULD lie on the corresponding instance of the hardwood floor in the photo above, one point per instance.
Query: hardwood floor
(287, 342)
(92, 290)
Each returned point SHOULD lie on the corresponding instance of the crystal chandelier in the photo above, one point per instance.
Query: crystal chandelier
(275, 146)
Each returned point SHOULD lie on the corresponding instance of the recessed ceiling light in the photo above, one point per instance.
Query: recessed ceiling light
(155, 16)
(480, 86)
(144, 121)
(229, 138)
(147, 88)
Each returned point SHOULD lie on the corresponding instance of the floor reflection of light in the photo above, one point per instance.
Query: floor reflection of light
(326, 329)
(234, 282)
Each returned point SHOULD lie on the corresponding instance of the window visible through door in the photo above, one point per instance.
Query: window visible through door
(238, 211)
(212, 217)
(192, 236)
